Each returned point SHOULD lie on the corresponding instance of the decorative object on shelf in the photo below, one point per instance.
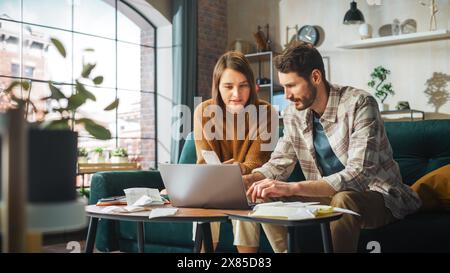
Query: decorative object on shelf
(433, 10)
(309, 34)
(242, 46)
(97, 155)
(374, 2)
(385, 30)
(382, 90)
(402, 105)
(293, 37)
(263, 42)
(365, 31)
(82, 155)
(436, 90)
(409, 26)
(396, 27)
(353, 15)
(119, 155)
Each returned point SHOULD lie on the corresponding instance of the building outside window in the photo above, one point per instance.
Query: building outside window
(123, 41)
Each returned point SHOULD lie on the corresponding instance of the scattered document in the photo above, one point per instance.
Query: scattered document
(161, 212)
(211, 157)
(122, 209)
(295, 210)
(143, 197)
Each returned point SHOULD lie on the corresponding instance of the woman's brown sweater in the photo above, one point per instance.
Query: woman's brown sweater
(246, 152)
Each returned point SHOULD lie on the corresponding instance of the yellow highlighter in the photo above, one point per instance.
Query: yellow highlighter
(323, 210)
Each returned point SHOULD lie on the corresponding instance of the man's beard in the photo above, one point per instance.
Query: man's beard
(305, 103)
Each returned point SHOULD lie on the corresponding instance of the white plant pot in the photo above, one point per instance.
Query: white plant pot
(119, 159)
(82, 159)
(383, 106)
(98, 158)
(365, 31)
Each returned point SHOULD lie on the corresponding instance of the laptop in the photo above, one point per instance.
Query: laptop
(205, 186)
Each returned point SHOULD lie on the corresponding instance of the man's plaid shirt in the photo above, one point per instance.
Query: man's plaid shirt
(355, 130)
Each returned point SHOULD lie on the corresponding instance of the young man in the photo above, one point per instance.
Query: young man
(337, 135)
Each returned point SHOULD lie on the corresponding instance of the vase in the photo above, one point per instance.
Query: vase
(383, 106)
(82, 159)
(365, 31)
(119, 159)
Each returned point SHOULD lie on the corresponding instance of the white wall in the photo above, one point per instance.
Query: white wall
(411, 65)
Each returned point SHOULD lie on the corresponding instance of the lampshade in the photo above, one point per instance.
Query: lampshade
(353, 15)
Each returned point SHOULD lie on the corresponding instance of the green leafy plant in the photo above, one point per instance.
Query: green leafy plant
(66, 105)
(82, 152)
(98, 150)
(119, 152)
(382, 90)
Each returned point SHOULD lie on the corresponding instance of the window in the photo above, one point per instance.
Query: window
(124, 50)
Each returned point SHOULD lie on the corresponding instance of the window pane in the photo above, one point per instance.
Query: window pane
(10, 9)
(9, 49)
(41, 58)
(95, 110)
(131, 27)
(91, 144)
(129, 114)
(95, 17)
(140, 150)
(103, 55)
(53, 13)
(135, 67)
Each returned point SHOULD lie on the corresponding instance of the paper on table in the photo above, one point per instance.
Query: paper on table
(160, 212)
(135, 194)
(295, 210)
(211, 157)
(122, 209)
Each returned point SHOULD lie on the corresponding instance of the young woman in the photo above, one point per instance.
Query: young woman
(233, 93)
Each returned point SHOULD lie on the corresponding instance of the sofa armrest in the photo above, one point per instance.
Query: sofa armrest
(107, 184)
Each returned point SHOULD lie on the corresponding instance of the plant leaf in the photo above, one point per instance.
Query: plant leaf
(84, 92)
(97, 131)
(98, 80)
(12, 86)
(26, 85)
(112, 106)
(87, 68)
(75, 101)
(59, 46)
(57, 125)
(56, 92)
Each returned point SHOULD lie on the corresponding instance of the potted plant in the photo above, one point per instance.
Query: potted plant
(382, 90)
(52, 152)
(97, 155)
(82, 155)
(119, 155)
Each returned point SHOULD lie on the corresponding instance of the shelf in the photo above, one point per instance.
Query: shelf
(399, 39)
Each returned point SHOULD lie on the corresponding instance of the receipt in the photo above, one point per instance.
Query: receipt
(211, 157)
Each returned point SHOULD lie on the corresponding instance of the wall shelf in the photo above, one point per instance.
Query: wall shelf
(399, 39)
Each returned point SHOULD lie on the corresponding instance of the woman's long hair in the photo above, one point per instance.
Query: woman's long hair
(238, 62)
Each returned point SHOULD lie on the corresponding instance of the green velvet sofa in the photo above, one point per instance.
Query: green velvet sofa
(419, 147)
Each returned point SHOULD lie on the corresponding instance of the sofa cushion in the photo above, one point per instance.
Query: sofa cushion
(434, 189)
(419, 147)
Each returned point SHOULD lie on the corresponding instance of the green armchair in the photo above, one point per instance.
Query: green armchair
(419, 147)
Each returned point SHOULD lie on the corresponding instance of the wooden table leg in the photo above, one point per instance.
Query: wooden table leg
(207, 237)
(198, 239)
(140, 236)
(326, 237)
(92, 232)
(291, 240)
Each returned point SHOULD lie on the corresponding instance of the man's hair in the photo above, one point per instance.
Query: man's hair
(301, 58)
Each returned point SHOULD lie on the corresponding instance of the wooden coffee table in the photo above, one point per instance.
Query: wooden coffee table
(203, 216)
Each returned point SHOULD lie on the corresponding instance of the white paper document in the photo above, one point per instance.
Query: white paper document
(122, 209)
(295, 210)
(211, 157)
(160, 212)
(143, 197)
